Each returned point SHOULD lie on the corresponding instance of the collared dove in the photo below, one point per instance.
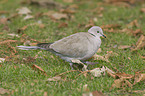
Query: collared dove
(80, 46)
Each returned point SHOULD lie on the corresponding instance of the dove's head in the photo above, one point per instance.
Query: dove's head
(96, 31)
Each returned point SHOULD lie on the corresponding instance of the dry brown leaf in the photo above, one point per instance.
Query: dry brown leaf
(13, 15)
(121, 83)
(88, 93)
(98, 57)
(139, 77)
(68, 11)
(132, 24)
(3, 91)
(68, 1)
(23, 10)
(41, 25)
(22, 29)
(39, 69)
(124, 75)
(137, 32)
(55, 15)
(73, 6)
(115, 1)
(97, 93)
(45, 94)
(3, 12)
(28, 17)
(111, 26)
(62, 25)
(8, 41)
(14, 35)
(122, 4)
(142, 10)
(140, 43)
(124, 47)
(1, 33)
(111, 74)
(4, 21)
(139, 91)
(58, 16)
(143, 57)
(50, 4)
(105, 57)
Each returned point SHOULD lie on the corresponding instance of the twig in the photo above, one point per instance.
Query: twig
(82, 73)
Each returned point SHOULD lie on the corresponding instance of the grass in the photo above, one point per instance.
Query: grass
(18, 76)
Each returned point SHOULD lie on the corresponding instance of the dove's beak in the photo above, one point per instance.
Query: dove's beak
(104, 36)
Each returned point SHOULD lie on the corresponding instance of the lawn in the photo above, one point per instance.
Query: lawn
(19, 78)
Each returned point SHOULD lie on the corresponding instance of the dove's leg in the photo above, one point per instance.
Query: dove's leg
(71, 65)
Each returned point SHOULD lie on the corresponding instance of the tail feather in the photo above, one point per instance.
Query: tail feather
(29, 47)
(44, 45)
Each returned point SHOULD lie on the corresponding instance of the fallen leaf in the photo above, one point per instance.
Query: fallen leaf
(105, 57)
(97, 93)
(113, 1)
(132, 24)
(124, 47)
(62, 25)
(137, 32)
(142, 10)
(56, 78)
(73, 6)
(86, 92)
(2, 60)
(8, 41)
(97, 72)
(3, 91)
(111, 74)
(23, 10)
(4, 21)
(68, 11)
(28, 17)
(58, 16)
(22, 29)
(117, 83)
(143, 57)
(68, 1)
(39, 68)
(140, 43)
(139, 91)
(139, 77)
(13, 15)
(14, 35)
(98, 57)
(41, 26)
(50, 4)
(110, 26)
(124, 75)
(3, 12)
(45, 94)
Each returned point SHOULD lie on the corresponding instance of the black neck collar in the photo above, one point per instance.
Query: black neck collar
(92, 34)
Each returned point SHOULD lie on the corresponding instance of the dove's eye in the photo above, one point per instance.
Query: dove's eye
(97, 31)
